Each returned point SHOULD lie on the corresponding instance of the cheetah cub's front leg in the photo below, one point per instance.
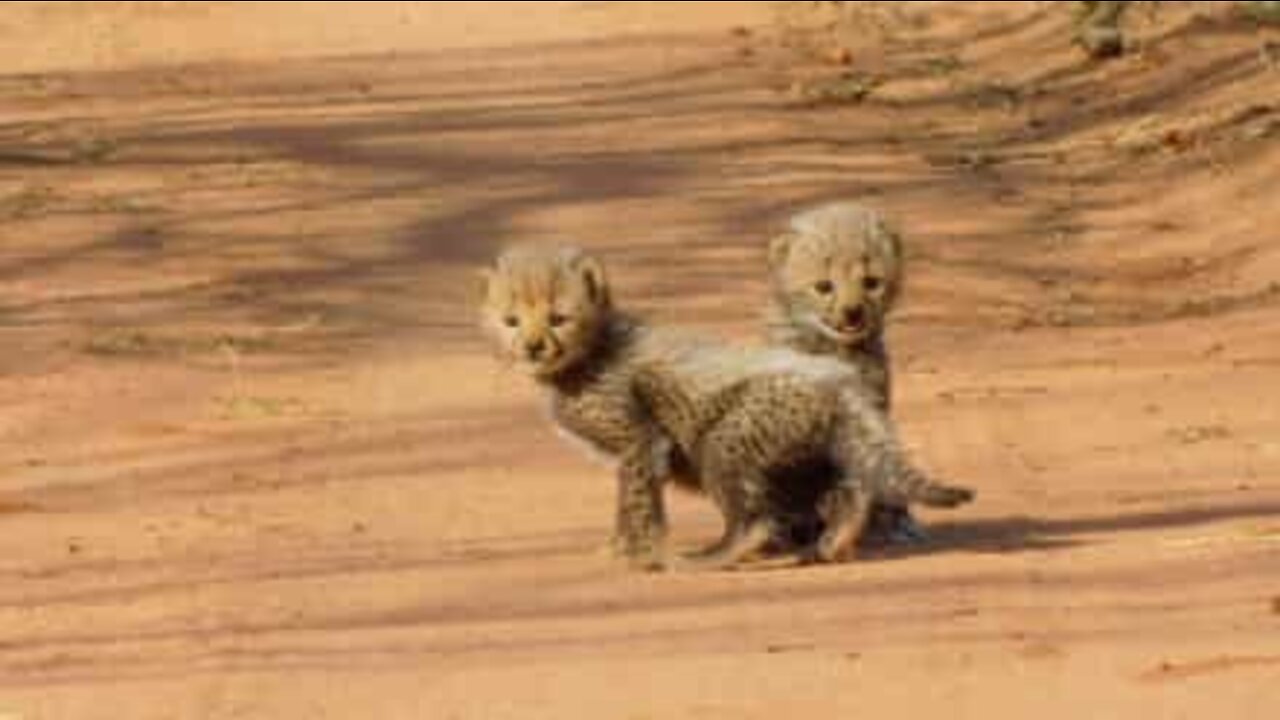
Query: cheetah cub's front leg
(641, 516)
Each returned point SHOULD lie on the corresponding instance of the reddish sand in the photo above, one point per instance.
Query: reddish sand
(256, 463)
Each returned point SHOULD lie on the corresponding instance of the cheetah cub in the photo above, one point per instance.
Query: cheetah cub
(669, 407)
(836, 275)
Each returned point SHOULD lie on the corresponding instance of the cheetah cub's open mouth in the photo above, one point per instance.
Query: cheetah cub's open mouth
(854, 324)
(849, 328)
(836, 274)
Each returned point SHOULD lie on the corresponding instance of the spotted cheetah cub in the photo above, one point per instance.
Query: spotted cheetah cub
(837, 272)
(725, 420)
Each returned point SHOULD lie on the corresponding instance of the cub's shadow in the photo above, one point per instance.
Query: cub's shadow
(1021, 533)
(1025, 534)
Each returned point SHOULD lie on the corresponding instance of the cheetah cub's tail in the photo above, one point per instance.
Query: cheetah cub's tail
(913, 486)
(869, 444)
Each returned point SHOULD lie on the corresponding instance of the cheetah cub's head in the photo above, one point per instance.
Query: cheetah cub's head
(837, 272)
(545, 308)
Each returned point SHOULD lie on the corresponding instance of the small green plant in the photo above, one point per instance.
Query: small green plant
(1099, 28)
(849, 88)
(1267, 11)
(139, 344)
(93, 151)
(30, 202)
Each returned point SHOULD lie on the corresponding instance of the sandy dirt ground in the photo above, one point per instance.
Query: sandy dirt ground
(255, 462)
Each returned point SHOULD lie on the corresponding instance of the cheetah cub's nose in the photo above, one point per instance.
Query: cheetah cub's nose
(537, 349)
(855, 318)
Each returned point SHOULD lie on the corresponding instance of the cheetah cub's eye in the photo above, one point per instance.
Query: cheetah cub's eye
(558, 320)
(511, 321)
(873, 284)
(824, 287)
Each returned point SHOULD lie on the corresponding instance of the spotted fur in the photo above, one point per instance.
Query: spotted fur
(836, 274)
(726, 420)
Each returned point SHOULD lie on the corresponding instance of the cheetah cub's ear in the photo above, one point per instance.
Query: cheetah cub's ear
(594, 279)
(780, 249)
(483, 287)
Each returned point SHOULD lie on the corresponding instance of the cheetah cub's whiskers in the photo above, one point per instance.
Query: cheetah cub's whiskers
(670, 407)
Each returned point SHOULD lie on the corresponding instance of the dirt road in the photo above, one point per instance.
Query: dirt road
(256, 463)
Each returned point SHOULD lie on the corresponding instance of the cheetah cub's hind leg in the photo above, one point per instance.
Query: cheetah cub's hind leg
(739, 489)
(875, 469)
(845, 512)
